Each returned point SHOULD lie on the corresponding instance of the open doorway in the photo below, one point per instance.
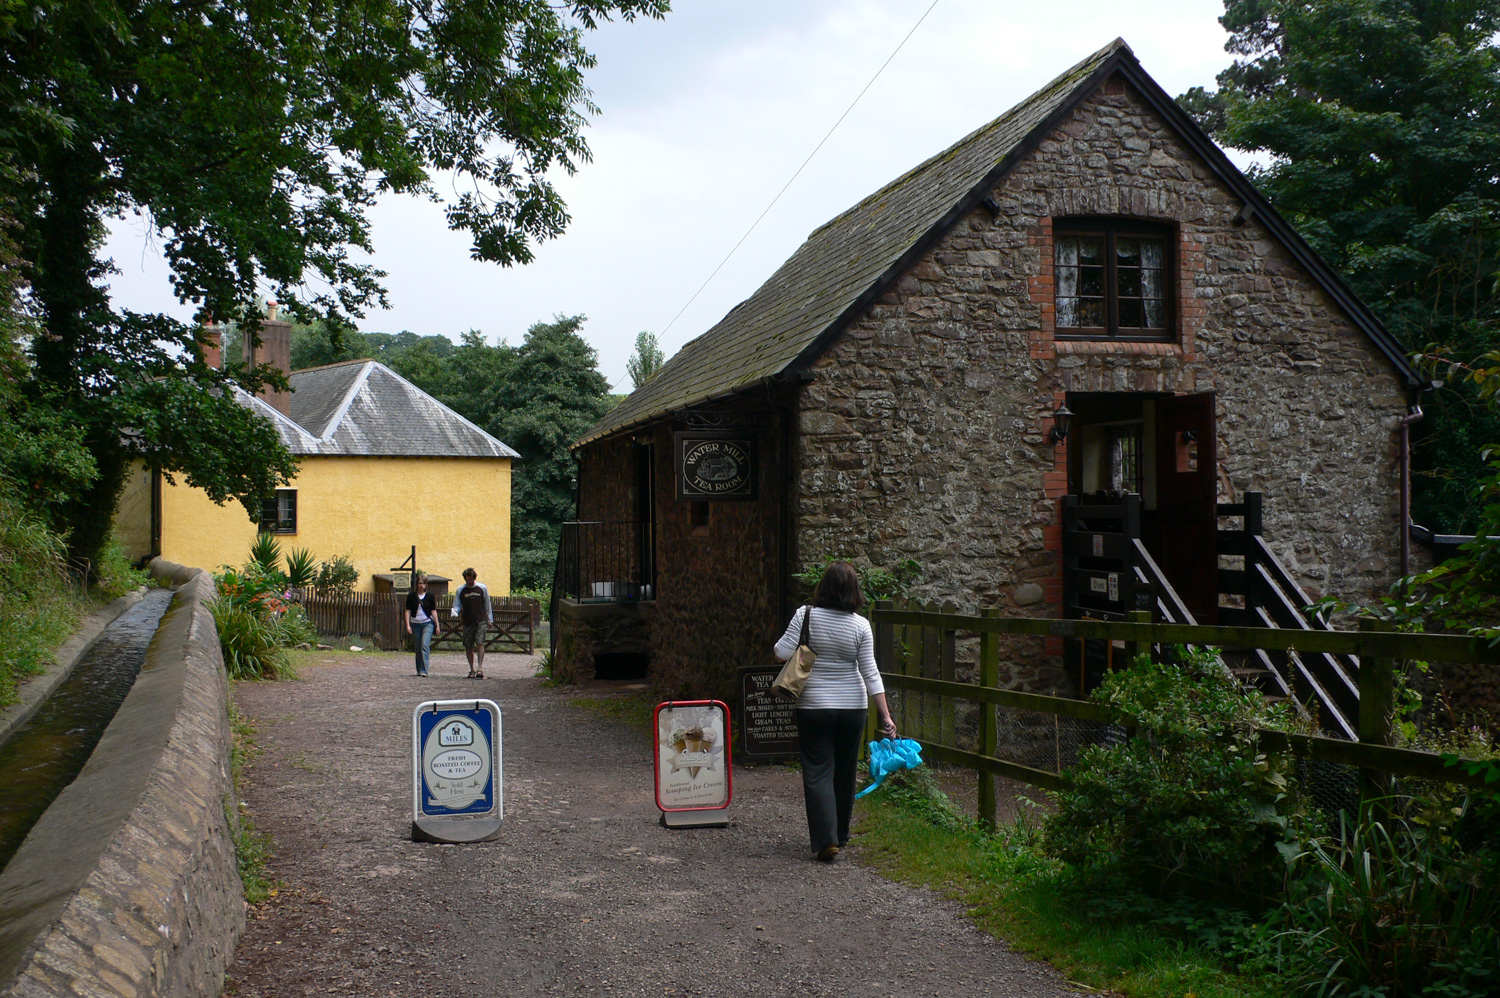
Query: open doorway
(1162, 448)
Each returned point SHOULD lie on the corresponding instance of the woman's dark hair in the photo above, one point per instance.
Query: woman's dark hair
(839, 589)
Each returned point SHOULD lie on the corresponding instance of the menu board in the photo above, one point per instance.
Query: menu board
(767, 718)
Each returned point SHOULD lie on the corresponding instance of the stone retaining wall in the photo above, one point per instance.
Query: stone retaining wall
(127, 886)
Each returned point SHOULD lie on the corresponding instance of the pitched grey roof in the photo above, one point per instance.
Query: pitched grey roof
(849, 261)
(363, 408)
(320, 393)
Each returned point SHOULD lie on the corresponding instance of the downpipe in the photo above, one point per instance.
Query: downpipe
(1405, 425)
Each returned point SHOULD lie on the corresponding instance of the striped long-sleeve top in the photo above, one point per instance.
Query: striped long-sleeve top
(845, 671)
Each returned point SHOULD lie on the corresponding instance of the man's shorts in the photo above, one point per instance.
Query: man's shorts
(474, 636)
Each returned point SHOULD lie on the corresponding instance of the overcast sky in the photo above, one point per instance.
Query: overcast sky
(705, 116)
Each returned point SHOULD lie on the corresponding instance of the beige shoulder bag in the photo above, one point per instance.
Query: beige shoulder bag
(793, 675)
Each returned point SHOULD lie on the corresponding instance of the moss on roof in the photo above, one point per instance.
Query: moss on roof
(840, 261)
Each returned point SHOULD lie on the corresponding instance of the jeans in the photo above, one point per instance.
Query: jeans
(828, 744)
(421, 639)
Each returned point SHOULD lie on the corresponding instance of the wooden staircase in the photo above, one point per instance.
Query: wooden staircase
(1108, 573)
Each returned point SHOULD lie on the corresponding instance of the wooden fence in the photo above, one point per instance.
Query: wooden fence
(915, 649)
(379, 617)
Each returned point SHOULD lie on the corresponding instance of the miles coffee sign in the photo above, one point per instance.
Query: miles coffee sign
(715, 466)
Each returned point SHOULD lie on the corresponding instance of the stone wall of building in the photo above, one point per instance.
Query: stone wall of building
(925, 432)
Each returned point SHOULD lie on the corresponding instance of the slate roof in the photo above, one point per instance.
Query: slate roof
(363, 408)
(849, 261)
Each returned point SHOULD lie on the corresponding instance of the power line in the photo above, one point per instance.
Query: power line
(806, 161)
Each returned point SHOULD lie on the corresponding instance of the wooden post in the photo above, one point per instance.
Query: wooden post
(911, 665)
(885, 661)
(1254, 526)
(989, 736)
(1133, 648)
(930, 666)
(1377, 703)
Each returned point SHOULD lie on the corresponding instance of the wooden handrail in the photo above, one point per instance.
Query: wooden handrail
(1391, 759)
(1164, 591)
(1392, 644)
(1266, 558)
(1085, 710)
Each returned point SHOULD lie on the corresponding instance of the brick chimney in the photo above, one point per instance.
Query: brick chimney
(275, 349)
(212, 352)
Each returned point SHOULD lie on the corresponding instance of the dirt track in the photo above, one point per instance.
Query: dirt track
(584, 893)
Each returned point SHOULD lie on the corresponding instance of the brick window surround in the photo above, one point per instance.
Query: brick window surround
(1113, 279)
(1045, 345)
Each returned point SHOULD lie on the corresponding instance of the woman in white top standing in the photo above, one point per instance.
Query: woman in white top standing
(834, 702)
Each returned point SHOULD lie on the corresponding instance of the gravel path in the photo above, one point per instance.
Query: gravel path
(584, 893)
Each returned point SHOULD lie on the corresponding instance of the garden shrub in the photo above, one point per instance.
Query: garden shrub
(875, 583)
(1394, 910)
(256, 623)
(336, 578)
(1191, 791)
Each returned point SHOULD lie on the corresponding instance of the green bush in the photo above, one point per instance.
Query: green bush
(875, 583)
(266, 553)
(541, 595)
(1395, 911)
(301, 568)
(256, 623)
(336, 578)
(115, 576)
(250, 641)
(1192, 792)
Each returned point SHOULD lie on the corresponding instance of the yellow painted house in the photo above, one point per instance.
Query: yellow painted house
(382, 466)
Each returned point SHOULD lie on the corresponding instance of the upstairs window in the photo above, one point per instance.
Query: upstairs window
(278, 513)
(1113, 279)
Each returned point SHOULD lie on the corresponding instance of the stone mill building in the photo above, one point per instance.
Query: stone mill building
(1081, 310)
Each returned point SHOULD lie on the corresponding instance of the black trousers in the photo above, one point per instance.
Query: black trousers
(828, 742)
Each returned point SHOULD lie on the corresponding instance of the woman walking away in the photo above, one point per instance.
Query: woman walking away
(832, 707)
(421, 621)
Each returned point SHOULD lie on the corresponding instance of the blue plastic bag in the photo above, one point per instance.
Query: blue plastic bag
(890, 755)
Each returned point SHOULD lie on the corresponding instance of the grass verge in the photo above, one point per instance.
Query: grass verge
(1032, 903)
(42, 606)
(632, 710)
(252, 847)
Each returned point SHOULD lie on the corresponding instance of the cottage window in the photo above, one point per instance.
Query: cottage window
(1113, 279)
(278, 513)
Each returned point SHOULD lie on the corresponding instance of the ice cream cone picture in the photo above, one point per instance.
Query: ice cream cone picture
(693, 739)
(692, 765)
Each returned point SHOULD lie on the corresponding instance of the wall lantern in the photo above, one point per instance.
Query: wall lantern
(1062, 419)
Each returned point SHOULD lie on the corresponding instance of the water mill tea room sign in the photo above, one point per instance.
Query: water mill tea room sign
(715, 466)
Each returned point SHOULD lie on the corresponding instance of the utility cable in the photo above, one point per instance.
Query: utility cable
(806, 161)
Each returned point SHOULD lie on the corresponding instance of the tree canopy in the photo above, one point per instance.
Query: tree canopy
(1381, 121)
(251, 136)
(646, 361)
(554, 393)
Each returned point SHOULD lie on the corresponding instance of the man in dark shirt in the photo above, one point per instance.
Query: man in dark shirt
(471, 605)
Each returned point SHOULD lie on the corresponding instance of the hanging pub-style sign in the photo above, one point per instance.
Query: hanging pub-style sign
(715, 465)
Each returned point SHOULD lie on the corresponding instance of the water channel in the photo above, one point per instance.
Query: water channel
(49, 750)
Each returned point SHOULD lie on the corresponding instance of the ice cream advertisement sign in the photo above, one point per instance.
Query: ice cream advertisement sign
(693, 769)
(457, 790)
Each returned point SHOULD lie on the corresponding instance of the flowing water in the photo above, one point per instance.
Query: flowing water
(49, 750)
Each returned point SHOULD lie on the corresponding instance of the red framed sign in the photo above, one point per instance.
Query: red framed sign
(693, 766)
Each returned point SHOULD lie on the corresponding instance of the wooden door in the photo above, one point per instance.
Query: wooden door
(1186, 501)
